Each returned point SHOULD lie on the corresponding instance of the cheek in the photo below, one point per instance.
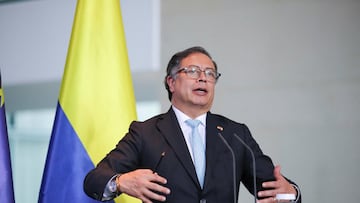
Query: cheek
(212, 92)
(176, 85)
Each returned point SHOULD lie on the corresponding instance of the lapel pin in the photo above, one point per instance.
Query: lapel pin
(220, 128)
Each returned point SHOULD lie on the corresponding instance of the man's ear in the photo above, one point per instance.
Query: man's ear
(170, 82)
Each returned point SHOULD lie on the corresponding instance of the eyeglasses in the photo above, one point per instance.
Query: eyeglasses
(194, 72)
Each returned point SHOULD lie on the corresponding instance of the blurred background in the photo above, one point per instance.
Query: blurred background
(290, 71)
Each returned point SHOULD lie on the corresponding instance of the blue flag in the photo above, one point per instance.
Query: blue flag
(6, 183)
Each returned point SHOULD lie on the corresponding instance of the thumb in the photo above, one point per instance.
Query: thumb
(277, 173)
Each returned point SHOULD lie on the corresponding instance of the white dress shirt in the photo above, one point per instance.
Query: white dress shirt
(186, 129)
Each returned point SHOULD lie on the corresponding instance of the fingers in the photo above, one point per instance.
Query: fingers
(143, 184)
(279, 180)
(280, 185)
(271, 193)
(159, 188)
(158, 179)
(267, 200)
(277, 173)
(150, 194)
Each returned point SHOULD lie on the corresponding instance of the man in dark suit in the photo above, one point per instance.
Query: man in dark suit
(157, 162)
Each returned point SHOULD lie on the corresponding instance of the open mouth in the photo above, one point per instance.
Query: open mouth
(202, 90)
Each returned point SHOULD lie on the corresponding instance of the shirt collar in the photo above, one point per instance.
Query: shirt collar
(183, 117)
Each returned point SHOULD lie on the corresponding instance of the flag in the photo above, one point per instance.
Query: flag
(6, 183)
(96, 102)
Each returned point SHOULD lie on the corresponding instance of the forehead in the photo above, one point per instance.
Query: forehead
(198, 59)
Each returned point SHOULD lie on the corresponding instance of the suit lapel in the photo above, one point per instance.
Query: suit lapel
(170, 129)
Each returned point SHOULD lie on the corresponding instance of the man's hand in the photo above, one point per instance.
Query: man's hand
(143, 184)
(279, 186)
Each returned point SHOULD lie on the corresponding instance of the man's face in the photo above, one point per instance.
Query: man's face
(189, 94)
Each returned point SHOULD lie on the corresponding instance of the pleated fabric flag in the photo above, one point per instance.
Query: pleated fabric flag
(6, 182)
(96, 102)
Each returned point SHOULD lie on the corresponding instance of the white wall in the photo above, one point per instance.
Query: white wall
(291, 71)
(35, 36)
(34, 39)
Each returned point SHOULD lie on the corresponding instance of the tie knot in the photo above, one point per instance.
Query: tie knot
(193, 123)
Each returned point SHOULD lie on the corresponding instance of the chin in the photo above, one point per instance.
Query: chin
(203, 105)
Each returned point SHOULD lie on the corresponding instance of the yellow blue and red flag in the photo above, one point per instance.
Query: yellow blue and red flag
(96, 102)
(6, 182)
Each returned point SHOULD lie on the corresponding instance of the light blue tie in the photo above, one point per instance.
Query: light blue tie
(198, 149)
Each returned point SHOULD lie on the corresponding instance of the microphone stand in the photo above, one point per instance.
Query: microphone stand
(233, 163)
(253, 162)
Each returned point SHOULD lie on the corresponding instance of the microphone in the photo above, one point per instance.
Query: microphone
(158, 163)
(253, 162)
(234, 163)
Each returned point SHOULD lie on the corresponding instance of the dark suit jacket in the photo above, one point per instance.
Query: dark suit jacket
(143, 145)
